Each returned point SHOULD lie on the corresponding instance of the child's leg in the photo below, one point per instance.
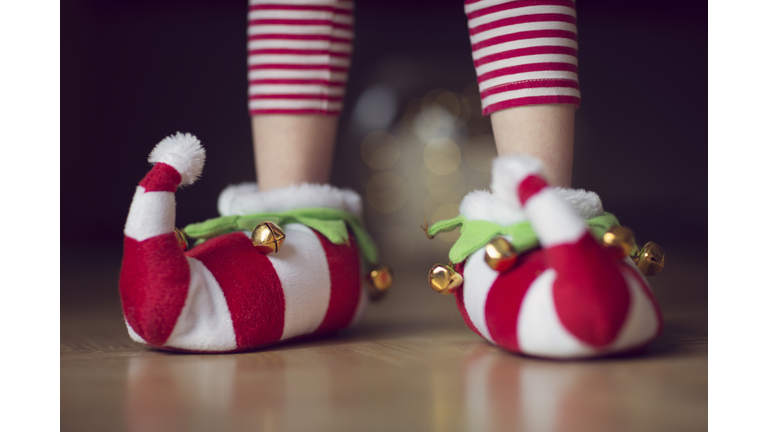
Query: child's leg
(298, 58)
(525, 55)
(543, 131)
(293, 149)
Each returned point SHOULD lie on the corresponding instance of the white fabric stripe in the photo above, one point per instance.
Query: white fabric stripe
(294, 104)
(528, 10)
(299, 59)
(135, 336)
(205, 322)
(266, 89)
(539, 330)
(299, 30)
(296, 74)
(553, 220)
(151, 214)
(302, 267)
(517, 28)
(543, 91)
(468, 8)
(523, 43)
(299, 44)
(300, 14)
(527, 76)
(478, 279)
(336, 4)
(529, 59)
(641, 323)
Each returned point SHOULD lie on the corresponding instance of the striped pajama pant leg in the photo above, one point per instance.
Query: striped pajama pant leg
(299, 52)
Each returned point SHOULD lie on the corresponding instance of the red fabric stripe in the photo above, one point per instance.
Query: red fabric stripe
(344, 266)
(286, 51)
(532, 100)
(297, 82)
(518, 4)
(299, 22)
(296, 97)
(250, 285)
(551, 17)
(506, 295)
(530, 67)
(161, 178)
(463, 310)
(526, 52)
(302, 111)
(529, 187)
(332, 9)
(289, 36)
(459, 294)
(298, 67)
(591, 296)
(527, 84)
(154, 281)
(532, 34)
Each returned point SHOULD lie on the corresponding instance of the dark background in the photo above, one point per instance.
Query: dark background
(135, 72)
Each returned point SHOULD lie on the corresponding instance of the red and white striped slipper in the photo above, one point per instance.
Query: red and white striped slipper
(225, 294)
(532, 277)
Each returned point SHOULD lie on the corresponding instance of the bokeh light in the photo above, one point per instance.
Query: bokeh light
(387, 192)
(480, 151)
(376, 107)
(446, 188)
(442, 156)
(413, 170)
(380, 150)
(447, 211)
(396, 246)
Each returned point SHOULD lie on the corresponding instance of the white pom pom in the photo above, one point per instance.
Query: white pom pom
(183, 152)
(506, 174)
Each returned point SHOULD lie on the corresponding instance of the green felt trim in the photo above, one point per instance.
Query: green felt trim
(331, 223)
(475, 234)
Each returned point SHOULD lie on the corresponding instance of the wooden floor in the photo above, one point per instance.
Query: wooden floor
(412, 365)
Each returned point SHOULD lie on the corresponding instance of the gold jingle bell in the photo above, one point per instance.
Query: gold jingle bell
(650, 260)
(500, 255)
(444, 279)
(267, 237)
(380, 280)
(181, 238)
(619, 240)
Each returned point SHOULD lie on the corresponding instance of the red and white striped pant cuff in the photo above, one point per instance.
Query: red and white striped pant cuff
(298, 55)
(525, 52)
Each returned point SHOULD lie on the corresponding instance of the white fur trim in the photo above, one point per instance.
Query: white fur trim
(506, 174)
(184, 153)
(151, 214)
(483, 205)
(586, 203)
(246, 199)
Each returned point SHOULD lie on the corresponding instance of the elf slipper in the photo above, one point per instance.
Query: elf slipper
(278, 265)
(545, 271)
